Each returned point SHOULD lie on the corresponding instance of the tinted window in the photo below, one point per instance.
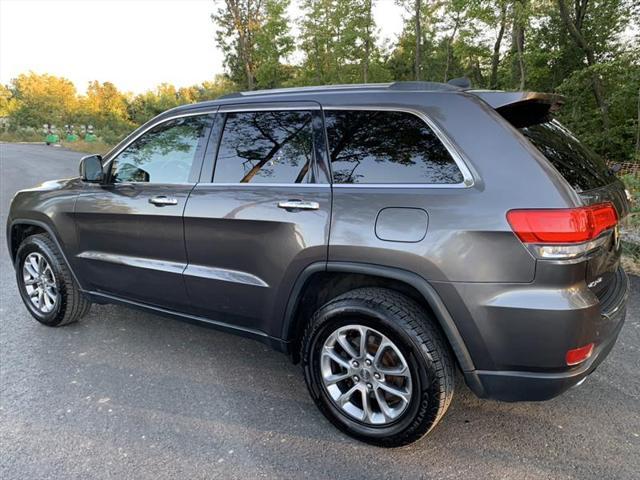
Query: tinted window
(386, 147)
(165, 154)
(265, 147)
(582, 168)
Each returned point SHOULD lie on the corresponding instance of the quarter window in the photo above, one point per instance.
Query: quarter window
(265, 147)
(386, 147)
(165, 154)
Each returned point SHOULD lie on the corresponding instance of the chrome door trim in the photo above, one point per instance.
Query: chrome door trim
(138, 262)
(225, 275)
(201, 271)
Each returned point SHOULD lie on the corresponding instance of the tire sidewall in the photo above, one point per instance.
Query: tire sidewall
(31, 245)
(357, 311)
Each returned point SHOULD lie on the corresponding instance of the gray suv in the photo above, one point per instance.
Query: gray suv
(384, 236)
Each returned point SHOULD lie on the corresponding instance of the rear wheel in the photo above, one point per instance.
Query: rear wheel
(46, 285)
(377, 366)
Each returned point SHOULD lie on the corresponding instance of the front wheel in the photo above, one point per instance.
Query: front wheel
(46, 284)
(377, 366)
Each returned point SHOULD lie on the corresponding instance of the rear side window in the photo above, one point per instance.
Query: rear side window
(386, 147)
(582, 168)
(265, 147)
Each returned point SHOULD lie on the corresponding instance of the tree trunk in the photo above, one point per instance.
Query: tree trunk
(418, 59)
(517, 44)
(242, 28)
(449, 42)
(495, 59)
(367, 42)
(638, 129)
(578, 38)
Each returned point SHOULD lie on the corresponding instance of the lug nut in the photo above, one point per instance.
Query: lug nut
(369, 386)
(367, 362)
(356, 379)
(355, 364)
(376, 376)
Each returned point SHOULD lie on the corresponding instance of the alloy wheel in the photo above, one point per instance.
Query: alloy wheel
(40, 282)
(366, 375)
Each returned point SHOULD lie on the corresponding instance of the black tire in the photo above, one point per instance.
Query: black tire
(418, 338)
(71, 305)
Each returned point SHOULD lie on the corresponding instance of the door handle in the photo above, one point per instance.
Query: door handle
(298, 205)
(161, 201)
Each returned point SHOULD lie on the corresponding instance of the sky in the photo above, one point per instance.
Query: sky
(136, 44)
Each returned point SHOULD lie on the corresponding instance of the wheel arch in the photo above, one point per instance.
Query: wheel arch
(353, 275)
(21, 228)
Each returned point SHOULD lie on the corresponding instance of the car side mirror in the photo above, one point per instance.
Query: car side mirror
(91, 169)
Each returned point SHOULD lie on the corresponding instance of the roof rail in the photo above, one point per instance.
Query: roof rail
(421, 86)
(397, 86)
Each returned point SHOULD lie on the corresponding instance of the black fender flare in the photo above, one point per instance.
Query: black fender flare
(50, 231)
(419, 283)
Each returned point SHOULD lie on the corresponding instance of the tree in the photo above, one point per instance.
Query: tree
(41, 99)
(254, 37)
(273, 43)
(576, 23)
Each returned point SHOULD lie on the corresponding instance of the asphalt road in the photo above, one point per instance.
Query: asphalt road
(125, 394)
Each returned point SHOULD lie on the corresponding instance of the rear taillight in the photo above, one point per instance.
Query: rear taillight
(563, 233)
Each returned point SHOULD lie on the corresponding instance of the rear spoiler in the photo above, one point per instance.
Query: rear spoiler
(522, 109)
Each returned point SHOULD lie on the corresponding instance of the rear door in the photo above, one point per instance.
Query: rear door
(260, 218)
(130, 230)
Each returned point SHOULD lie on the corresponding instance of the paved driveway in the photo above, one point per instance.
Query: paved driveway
(126, 394)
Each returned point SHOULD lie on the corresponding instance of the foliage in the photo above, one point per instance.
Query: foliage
(588, 51)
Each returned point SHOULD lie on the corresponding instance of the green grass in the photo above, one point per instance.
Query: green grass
(98, 146)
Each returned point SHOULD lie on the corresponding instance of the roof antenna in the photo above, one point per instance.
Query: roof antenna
(461, 82)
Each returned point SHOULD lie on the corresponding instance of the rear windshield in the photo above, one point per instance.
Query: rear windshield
(582, 168)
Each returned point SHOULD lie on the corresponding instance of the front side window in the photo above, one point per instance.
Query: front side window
(386, 147)
(265, 147)
(165, 154)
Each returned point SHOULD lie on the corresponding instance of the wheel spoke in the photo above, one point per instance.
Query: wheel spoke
(381, 348)
(363, 341)
(346, 346)
(50, 295)
(384, 406)
(337, 377)
(34, 292)
(48, 274)
(399, 371)
(367, 413)
(395, 391)
(30, 281)
(346, 396)
(41, 264)
(33, 261)
(40, 298)
(331, 353)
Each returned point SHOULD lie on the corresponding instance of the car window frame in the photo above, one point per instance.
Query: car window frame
(200, 153)
(319, 169)
(468, 179)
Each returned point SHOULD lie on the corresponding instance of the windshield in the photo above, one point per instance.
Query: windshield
(581, 167)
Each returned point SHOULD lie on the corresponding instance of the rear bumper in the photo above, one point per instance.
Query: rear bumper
(513, 386)
(534, 386)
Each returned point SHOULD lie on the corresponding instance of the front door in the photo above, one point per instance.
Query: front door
(263, 217)
(130, 230)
